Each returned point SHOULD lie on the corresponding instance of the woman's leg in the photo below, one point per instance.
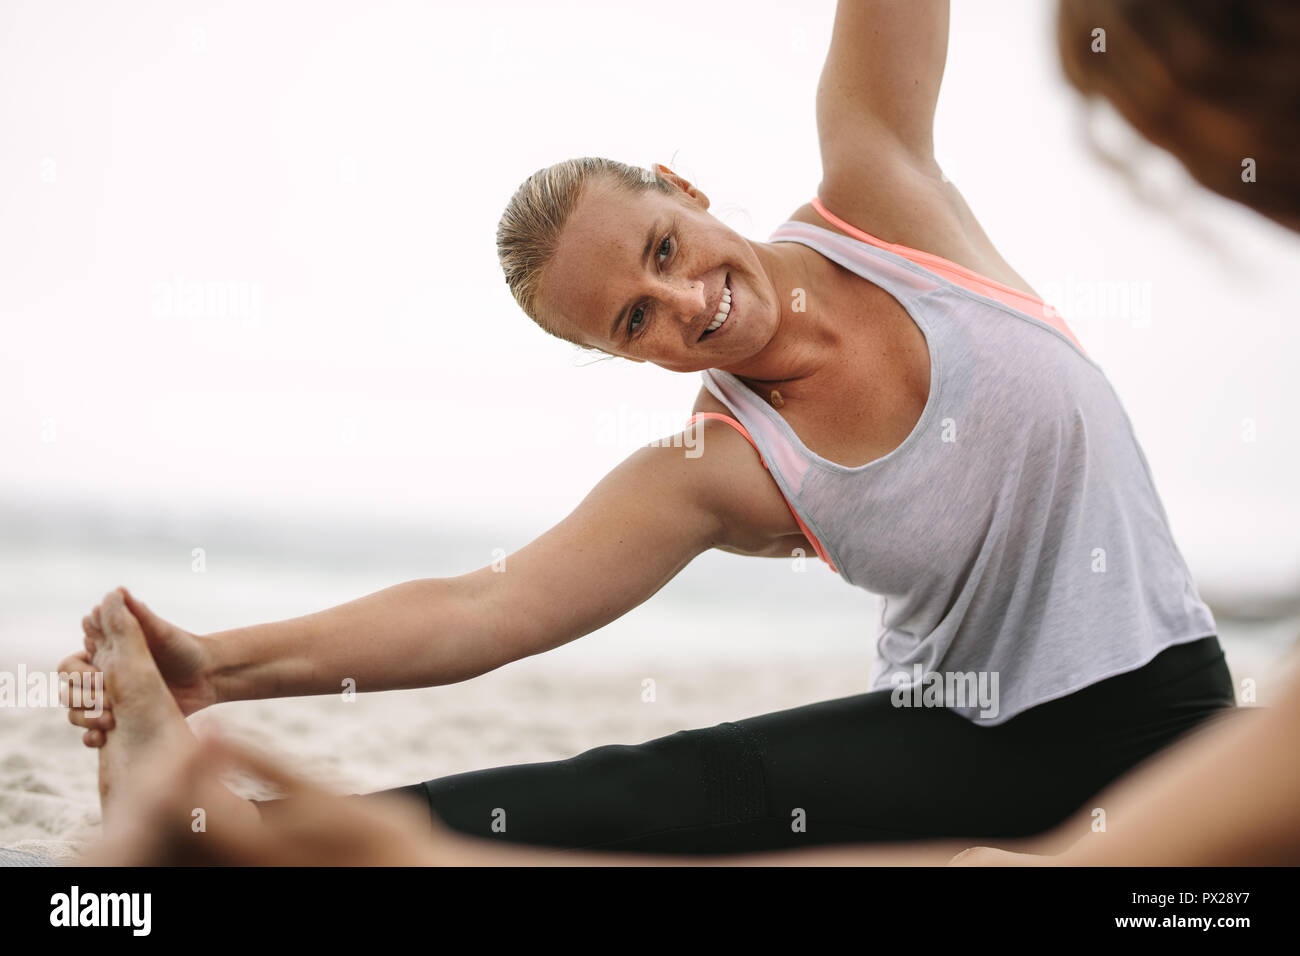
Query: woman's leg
(823, 773)
(858, 769)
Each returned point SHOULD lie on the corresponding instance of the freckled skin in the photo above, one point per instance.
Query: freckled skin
(851, 367)
(597, 270)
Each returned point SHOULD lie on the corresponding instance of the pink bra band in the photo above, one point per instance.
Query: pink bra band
(958, 275)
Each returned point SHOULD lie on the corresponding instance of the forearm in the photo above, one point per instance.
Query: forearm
(416, 634)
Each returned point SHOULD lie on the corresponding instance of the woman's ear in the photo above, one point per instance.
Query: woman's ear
(682, 184)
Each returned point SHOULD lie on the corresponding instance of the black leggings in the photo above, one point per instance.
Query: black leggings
(852, 770)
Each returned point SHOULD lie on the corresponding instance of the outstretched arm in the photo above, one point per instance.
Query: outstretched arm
(633, 532)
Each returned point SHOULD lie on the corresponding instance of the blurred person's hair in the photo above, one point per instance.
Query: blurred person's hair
(1214, 82)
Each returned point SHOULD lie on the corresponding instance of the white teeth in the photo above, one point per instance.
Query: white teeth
(724, 308)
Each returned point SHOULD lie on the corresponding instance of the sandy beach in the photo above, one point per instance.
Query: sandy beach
(543, 708)
(537, 709)
(728, 638)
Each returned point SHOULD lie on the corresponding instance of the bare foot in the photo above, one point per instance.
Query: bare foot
(146, 717)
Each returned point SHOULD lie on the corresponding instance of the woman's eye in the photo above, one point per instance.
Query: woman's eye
(636, 318)
(668, 242)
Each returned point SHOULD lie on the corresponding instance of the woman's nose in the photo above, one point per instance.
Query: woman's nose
(688, 301)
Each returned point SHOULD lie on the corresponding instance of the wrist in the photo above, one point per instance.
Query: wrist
(221, 671)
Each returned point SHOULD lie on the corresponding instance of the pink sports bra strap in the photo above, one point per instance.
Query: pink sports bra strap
(1017, 299)
(812, 539)
(733, 423)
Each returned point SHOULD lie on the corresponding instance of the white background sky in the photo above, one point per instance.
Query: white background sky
(347, 163)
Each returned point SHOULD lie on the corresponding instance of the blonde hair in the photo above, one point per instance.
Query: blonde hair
(530, 227)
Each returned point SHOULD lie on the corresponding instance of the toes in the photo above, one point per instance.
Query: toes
(135, 605)
(116, 619)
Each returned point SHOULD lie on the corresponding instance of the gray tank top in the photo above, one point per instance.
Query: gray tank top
(1015, 538)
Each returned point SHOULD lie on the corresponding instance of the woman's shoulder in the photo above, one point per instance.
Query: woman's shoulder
(926, 216)
(893, 197)
(919, 218)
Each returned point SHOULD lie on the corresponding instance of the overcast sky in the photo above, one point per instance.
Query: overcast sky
(247, 259)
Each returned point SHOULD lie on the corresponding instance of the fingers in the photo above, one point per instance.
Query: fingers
(136, 607)
(77, 662)
(80, 718)
(94, 634)
(77, 667)
(82, 686)
(112, 612)
(104, 722)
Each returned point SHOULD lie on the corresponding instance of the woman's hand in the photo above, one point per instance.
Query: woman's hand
(183, 659)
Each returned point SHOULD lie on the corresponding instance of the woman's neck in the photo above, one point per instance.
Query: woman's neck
(801, 359)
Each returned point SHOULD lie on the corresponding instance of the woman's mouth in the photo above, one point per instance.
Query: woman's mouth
(724, 310)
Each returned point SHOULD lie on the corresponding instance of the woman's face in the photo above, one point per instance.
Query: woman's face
(641, 274)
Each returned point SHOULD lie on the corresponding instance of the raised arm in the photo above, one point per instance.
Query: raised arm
(875, 125)
(878, 89)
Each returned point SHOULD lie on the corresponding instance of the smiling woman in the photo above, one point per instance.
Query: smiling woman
(629, 262)
(882, 388)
